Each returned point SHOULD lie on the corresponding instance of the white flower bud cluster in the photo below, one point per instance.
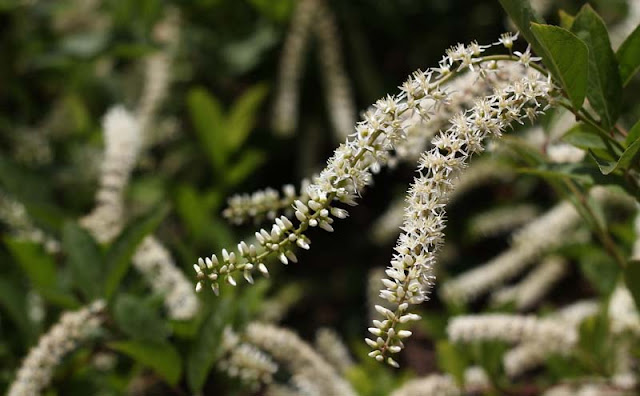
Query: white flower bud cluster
(531, 354)
(541, 235)
(349, 170)
(285, 111)
(502, 219)
(530, 290)
(586, 389)
(464, 91)
(245, 361)
(154, 261)
(122, 139)
(305, 365)
(510, 328)
(38, 367)
(330, 345)
(264, 204)
(623, 314)
(434, 384)
(157, 72)
(410, 274)
(14, 214)
(561, 153)
(342, 109)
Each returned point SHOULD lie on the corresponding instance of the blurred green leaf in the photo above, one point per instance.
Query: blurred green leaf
(140, 318)
(277, 10)
(593, 339)
(249, 161)
(633, 135)
(118, 256)
(13, 299)
(629, 56)
(41, 270)
(632, 280)
(163, 358)
(84, 260)
(193, 210)
(451, 359)
(25, 185)
(209, 124)
(567, 58)
(604, 87)
(242, 116)
(566, 19)
(600, 269)
(205, 349)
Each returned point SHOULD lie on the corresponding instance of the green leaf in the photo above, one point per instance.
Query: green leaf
(13, 300)
(209, 123)
(566, 19)
(451, 359)
(242, 116)
(586, 137)
(629, 56)
(193, 210)
(599, 268)
(633, 135)
(625, 161)
(41, 270)
(118, 257)
(162, 358)
(205, 350)
(604, 87)
(567, 58)
(139, 319)
(248, 162)
(523, 15)
(632, 280)
(84, 260)
(593, 338)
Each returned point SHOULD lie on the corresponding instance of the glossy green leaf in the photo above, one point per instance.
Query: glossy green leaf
(604, 87)
(632, 280)
(118, 257)
(84, 260)
(140, 319)
(242, 116)
(567, 57)
(523, 15)
(628, 158)
(209, 123)
(163, 358)
(629, 56)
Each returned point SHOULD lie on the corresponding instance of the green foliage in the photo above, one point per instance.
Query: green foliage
(522, 16)
(604, 88)
(162, 357)
(140, 318)
(85, 260)
(567, 58)
(629, 56)
(632, 280)
(118, 256)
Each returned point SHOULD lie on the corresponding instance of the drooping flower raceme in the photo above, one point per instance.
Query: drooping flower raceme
(411, 272)
(72, 330)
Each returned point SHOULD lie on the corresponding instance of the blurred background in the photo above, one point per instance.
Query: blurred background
(63, 64)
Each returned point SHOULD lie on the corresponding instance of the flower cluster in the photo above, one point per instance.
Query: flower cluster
(530, 290)
(502, 219)
(309, 370)
(154, 261)
(122, 137)
(313, 17)
(264, 204)
(246, 361)
(15, 216)
(510, 328)
(434, 384)
(330, 345)
(38, 367)
(411, 272)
